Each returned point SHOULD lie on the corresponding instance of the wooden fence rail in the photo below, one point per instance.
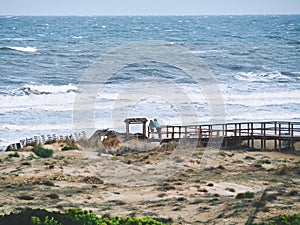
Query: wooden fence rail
(239, 135)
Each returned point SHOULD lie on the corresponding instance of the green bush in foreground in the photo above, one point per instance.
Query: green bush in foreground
(70, 217)
(247, 194)
(283, 220)
(15, 154)
(72, 147)
(37, 221)
(43, 152)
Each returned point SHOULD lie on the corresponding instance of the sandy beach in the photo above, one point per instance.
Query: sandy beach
(192, 195)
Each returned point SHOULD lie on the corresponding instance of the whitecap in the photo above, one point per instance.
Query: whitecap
(22, 49)
(262, 76)
(18, 39)
(78, 37)
(259, 99)
(48, 89)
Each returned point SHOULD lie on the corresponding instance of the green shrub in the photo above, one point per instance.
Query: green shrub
(72, 147)
(264, 161)
(43, 152)
(70, 217)
(283, 220)
(37, 221)
(15, 154)
(247, 194)
(31, 157)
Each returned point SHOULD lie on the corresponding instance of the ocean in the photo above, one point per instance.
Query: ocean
(254, 60)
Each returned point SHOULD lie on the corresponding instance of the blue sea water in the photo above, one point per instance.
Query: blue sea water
(255, 60)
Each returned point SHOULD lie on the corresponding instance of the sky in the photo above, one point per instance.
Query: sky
(148, 7)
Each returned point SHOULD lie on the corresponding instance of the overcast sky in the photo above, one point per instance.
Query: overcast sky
(149, 7)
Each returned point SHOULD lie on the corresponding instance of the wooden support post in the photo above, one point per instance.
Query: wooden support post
(127, 130)
(240, 134)
(235, 128)
(252, 137)
(248, 134)
(200, 132)
(167, 131)
(179, 131)
(279, 137)
(275, 134)
(225, 136)
(261, 136)
(292, 137)
(173, 131)
(144, 128)
(289, 133)
(264, 136)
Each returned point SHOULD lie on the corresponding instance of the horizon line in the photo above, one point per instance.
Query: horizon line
(145, 15)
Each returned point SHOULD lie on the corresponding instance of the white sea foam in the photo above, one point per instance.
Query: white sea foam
(50, 89)
(21, 49)
(58, 102)
(18, 39)
(77, 37)
(208, 51)
(262, 76)
(263, 98)
(39, 97)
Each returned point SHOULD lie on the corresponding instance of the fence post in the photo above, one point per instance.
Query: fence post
(252, 137)
(173, 132)
(292, 137)
(275, 133)
(279, 137)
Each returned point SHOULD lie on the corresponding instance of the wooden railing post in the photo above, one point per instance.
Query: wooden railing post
(275, 133)
(179, 131)
(292, 137)
(173, 131)
(248, 134)
(279, 137)
(240, 135)
(264, 136)
(252, 137)
(167, 131)
(289, 133)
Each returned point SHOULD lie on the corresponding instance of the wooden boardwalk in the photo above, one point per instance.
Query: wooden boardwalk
(248, 135)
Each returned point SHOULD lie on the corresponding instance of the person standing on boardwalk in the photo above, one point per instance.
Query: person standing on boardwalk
(158, 128)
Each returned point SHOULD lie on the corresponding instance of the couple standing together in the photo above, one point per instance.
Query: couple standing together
(155, 124)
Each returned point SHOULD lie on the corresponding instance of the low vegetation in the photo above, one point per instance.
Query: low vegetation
(71, 147)
(247, 194)
(282, 220)
(15, 154)
(43, 152)
(70, 217)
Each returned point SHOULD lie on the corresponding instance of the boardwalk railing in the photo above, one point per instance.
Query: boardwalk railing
(238, 135)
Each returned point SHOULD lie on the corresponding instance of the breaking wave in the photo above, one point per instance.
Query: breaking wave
(21, 49)
(262, 77)
(44, 89)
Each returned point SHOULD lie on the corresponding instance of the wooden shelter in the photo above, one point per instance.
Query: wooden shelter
(142, 121)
